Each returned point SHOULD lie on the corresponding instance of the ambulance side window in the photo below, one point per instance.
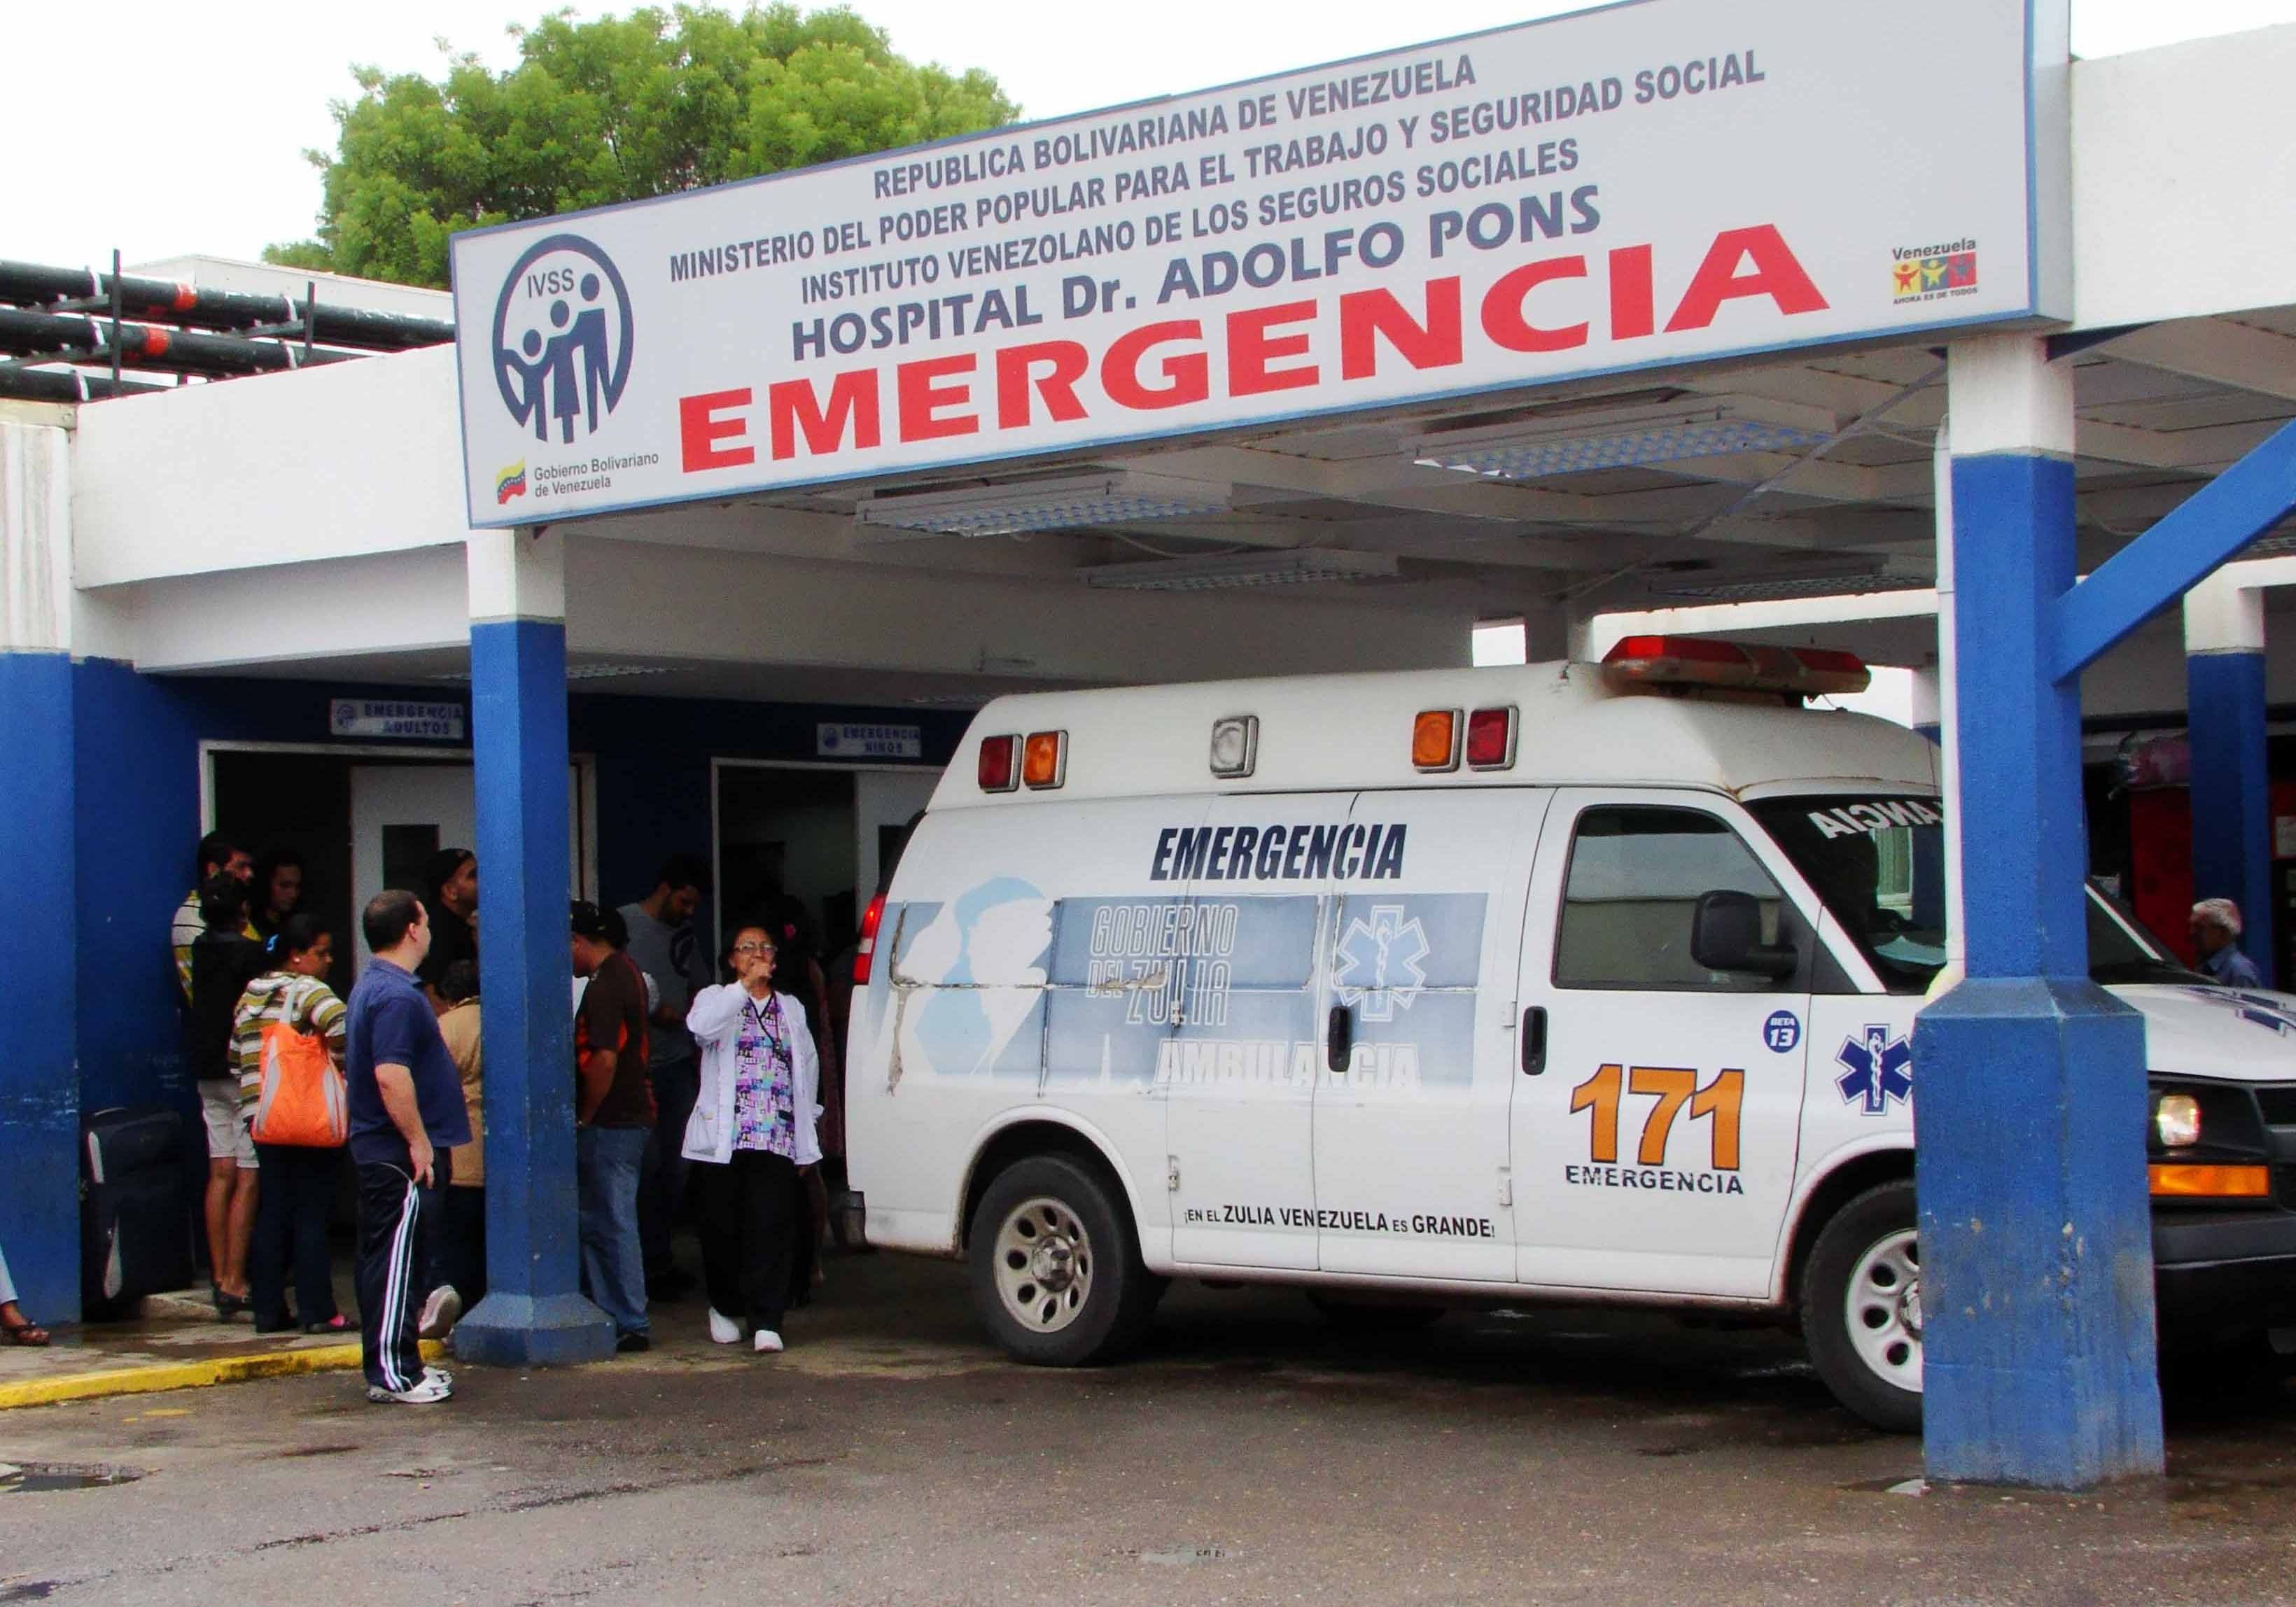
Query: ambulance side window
(1635, 877)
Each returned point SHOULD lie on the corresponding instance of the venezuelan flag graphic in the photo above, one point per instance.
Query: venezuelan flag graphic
(511, 482)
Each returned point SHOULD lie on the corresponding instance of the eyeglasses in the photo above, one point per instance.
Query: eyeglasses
(753, 949)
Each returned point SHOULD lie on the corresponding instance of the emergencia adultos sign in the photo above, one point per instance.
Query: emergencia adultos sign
(1647, 184)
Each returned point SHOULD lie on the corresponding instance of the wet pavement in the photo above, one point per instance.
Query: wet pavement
(1252, 1454)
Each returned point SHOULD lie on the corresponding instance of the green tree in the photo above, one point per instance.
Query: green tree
(615, 110)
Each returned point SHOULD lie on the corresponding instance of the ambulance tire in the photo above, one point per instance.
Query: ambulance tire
(1056, 1271)
(1869, 1240)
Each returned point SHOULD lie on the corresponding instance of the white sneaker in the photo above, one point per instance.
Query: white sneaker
(439, 1313)
(440, 1374)
(769, 1343)
(427, 1391)
(723, 1329)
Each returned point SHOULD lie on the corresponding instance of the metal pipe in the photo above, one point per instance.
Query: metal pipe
(30, 285)
(66, 385)
(61, 337)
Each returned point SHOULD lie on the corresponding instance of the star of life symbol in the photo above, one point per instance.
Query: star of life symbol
(1379, 965)
(1877, 1068)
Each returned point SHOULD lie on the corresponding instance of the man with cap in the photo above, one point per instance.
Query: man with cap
(2216, 934)
(613, 1116)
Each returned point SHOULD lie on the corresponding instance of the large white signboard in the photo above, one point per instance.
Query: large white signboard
(1648, 183)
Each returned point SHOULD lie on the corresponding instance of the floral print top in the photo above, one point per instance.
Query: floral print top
(765, 1081)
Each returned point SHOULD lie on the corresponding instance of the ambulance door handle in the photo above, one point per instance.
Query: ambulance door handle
(1533, 1040)
(1339, 1040)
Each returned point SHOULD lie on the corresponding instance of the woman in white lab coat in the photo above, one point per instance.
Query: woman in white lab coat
(753, 1130)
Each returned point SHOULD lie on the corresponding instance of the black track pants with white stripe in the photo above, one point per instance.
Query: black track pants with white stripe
(394, 1227)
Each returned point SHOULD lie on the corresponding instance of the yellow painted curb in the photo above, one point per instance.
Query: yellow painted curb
(187, 1375)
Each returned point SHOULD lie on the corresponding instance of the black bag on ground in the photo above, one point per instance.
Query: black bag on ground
(135, 1237)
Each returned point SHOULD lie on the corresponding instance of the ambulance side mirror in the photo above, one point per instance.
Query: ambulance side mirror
(1726, 934)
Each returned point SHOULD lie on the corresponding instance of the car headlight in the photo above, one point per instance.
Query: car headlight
(2178, 1120)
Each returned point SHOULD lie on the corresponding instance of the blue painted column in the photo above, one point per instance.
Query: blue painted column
(2036, 1283)
(39, 1075)
(2232, 784)
(533, 1313)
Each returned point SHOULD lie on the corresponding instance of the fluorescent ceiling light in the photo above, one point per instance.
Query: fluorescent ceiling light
(1278, 566)
(1782, 587)
(580, 672)
(1668, 432)
(1073, 502)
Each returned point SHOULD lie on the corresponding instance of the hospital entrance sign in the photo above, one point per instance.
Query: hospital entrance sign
(1650, 184)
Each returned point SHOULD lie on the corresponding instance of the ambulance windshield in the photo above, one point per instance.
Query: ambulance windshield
(1879, 863)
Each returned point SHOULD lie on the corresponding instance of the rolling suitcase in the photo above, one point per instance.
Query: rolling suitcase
(135, 1237)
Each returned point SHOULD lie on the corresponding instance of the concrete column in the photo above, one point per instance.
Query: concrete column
(533, 1313)
(2232, 784)
(1929, 703)
(2036, 1232)
(40, 1076)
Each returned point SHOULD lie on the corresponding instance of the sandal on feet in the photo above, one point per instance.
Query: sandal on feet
(26, 1333)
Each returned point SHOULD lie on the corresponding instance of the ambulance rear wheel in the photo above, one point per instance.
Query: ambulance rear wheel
(1861, 1307)
(1057, 1276)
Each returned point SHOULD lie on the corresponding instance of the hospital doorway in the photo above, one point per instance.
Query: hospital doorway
(809, 846)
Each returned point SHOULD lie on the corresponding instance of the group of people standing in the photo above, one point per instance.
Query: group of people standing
(675, 1076)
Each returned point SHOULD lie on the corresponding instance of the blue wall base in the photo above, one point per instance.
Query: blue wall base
(2036, 1236)
(519, 1331)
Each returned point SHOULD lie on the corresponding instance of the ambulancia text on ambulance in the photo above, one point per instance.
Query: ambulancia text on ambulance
(1568, 982)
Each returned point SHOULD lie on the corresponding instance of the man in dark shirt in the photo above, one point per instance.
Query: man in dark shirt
(613, 1115)
(450, 905)
(407, 1112)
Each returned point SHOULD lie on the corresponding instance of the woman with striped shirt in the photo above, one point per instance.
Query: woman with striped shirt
(299, 1181)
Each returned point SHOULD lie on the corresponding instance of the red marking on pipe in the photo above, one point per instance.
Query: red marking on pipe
(185, 296)
(155, 342)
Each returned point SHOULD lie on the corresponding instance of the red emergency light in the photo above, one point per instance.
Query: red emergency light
(867, 950)
(1644, 663)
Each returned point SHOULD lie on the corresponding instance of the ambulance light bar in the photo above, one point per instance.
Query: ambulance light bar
(1639, 662)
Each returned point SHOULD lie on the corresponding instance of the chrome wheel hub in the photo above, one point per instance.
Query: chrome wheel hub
(1043, 1265)
(1884, 1310)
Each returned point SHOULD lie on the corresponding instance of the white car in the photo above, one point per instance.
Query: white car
(1569, 982)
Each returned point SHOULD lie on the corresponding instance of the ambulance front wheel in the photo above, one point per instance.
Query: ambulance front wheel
(1861, 1307)
(1056, 1270)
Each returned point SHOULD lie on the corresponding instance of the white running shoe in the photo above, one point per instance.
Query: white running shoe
(723, 1329)
(440, 1374)
(427, 1391)
(769, 1343)
(440, 1312)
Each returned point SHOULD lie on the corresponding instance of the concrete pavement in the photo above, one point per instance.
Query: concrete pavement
(1252, 1454)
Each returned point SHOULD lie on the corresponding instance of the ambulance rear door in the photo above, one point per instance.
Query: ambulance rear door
(1239, 1072)
(1656, 1116)
(1411, 1121)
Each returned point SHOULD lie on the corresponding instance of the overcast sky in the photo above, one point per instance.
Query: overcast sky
(192, 143)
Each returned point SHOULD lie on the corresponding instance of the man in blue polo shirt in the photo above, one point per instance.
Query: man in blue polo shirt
(407, 1112)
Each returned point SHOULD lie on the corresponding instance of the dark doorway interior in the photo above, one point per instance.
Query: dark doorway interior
(301, 801)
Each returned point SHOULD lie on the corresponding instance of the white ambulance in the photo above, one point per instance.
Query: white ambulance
(1566, 982)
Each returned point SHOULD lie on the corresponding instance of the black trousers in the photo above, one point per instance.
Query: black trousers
(295, 1193)
(749, 1217)
(395, 1217)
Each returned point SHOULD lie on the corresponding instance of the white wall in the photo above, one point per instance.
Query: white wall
(2183, 161)
(353, 457)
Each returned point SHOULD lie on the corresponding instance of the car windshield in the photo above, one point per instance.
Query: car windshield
(1878, 861)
